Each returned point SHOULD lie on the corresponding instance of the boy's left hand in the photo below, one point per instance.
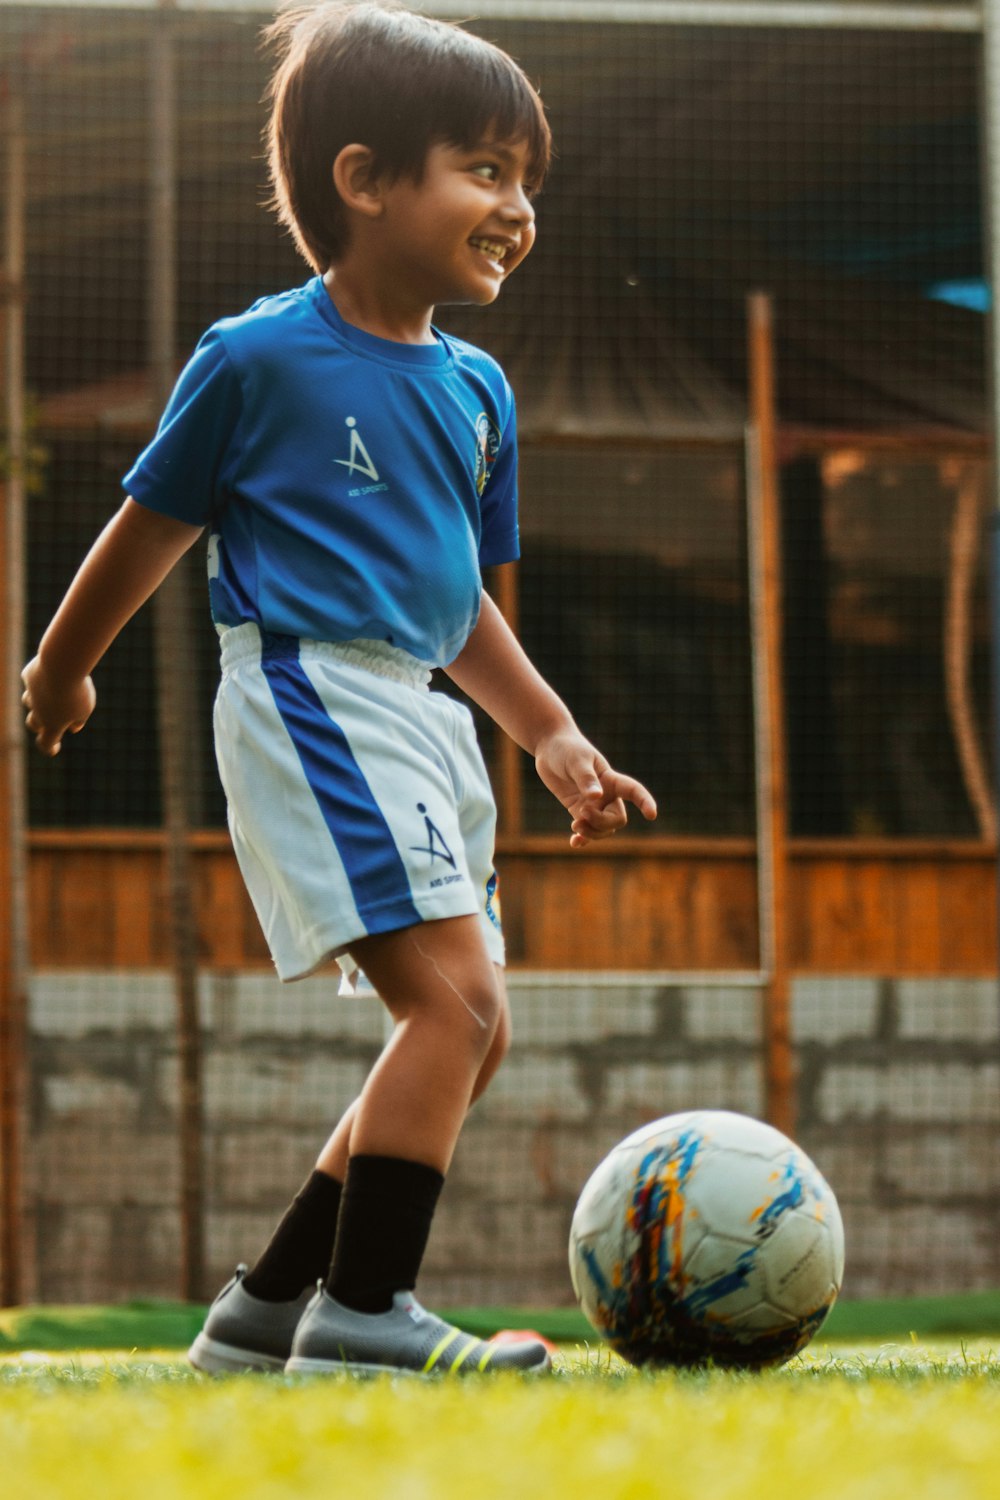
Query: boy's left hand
(591, 791)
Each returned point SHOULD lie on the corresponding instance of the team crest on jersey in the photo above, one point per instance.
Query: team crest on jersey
(487, 448)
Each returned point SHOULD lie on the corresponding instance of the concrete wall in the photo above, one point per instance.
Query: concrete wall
(899, 1106)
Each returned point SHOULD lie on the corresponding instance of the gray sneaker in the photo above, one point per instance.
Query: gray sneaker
(404, 1340)
(243, 1333)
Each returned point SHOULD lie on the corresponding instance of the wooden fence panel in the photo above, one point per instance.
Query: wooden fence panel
(96, 901)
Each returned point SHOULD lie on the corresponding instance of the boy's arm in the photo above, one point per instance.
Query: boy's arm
(129, 560)
(493, 669)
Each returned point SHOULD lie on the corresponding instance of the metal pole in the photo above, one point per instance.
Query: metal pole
(779, 14)
(172, 651)
(13, 819)
(836, 15)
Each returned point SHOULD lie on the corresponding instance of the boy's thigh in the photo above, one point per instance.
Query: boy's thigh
(435, 966)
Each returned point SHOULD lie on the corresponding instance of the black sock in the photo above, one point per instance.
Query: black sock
(385, 1220)
(298, 1253)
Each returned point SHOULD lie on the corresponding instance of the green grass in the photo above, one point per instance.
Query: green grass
(172, 1325)
(910, 1419)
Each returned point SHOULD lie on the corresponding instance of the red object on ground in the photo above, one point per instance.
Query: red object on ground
(518, 1336)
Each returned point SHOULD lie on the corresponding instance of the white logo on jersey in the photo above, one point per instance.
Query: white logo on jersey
(213, 555)
(360, 460)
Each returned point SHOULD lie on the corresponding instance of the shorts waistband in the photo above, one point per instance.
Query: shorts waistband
(242, 643)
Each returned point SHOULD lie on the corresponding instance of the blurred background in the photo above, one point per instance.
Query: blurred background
(750, 358)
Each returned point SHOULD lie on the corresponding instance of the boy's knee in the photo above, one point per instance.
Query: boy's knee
(498, 1049)
(464, 994)
(481, 1000)
(502, 1034)
(423, 973)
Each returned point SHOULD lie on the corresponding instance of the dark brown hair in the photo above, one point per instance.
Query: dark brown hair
(396, 82)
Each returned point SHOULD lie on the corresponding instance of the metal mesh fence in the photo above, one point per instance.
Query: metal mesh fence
(839, 172)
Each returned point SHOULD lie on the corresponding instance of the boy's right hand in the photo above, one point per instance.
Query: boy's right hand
(55, 707)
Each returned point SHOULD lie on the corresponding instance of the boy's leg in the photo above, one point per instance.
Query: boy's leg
(333, 1158)
(445, 997)
(252, 1322)
(300, 1251)
(449, 1006)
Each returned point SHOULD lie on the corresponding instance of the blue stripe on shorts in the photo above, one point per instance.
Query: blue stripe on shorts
(377, 875)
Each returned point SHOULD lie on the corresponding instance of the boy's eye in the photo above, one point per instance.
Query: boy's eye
(488, 170)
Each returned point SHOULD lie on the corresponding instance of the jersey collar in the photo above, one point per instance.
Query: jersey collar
(388, 351)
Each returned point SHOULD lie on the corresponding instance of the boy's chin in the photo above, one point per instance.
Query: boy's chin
(479, 298)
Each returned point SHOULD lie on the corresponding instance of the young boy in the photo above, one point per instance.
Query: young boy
(356, 468)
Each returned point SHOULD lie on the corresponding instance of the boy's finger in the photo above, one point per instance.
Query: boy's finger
(632, 791)
(588, 783)
(584, 832)
(47, 743)
(608, 817)
(46, 740)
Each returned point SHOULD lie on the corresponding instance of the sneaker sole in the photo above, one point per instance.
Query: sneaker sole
(300, 1364)
(213, 1358)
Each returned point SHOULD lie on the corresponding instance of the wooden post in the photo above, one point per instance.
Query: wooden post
(764, 545)
(13, 817)
(173, 657)
(509, 755)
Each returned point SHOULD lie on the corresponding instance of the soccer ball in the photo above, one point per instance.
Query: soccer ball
(706, 1237)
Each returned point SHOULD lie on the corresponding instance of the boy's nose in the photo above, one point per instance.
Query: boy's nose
(518, 208)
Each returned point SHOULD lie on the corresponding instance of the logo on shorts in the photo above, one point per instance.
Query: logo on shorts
(436, 846)
(487, 448)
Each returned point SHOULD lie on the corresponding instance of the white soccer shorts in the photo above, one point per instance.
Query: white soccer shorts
(358, 800)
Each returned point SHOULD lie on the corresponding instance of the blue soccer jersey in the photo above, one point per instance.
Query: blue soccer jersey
(353, 486)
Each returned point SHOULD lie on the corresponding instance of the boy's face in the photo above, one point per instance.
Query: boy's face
(458, 233)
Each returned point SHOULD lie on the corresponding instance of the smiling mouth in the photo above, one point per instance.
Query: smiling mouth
(493, 249)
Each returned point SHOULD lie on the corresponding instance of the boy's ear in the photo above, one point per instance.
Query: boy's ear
(357, 182)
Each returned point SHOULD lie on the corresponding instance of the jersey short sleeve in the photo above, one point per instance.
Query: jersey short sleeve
(499, 542)
(182, 471)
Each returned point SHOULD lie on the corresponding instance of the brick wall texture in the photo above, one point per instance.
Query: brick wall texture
(898, 1104)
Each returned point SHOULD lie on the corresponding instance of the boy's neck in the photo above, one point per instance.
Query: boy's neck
(375, 310)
